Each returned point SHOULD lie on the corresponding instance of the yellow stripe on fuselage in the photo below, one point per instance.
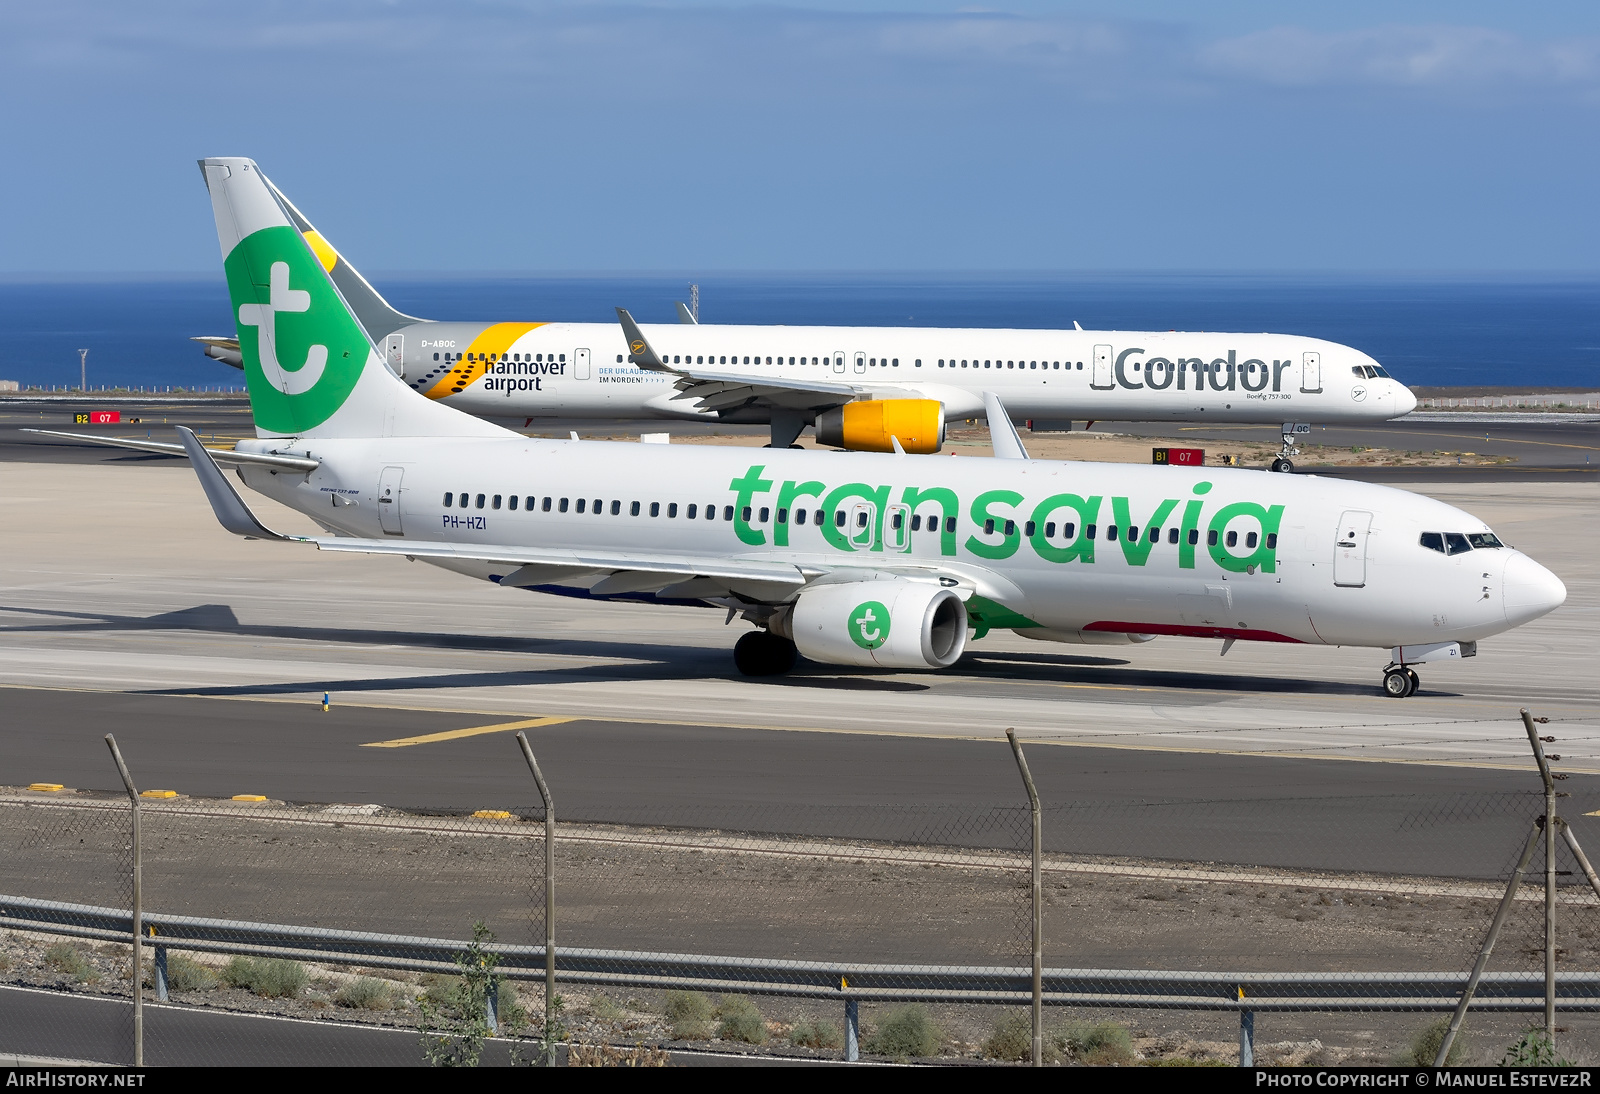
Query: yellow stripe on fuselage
(493, 342)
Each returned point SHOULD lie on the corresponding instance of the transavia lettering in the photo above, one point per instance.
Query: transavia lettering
(1064, 528)
(1132, 370)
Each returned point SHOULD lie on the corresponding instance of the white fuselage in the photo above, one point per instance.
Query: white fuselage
(1234, 553)
(516, 371)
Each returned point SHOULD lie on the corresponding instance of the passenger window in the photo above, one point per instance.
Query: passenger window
(950, 525)
(672, 509)
(783, 516)
(582, 504)
(633, 509)
(817, 518)
(1028, 529)
(1049, 529)
(711, 512)
(1456, 543)
(563, 505)
(727, 512)
(1250, 540)
(1211, 538)
(655, 508)
(799, 516)
(988, 527)
(838, 518)
(529, 504)
(1194, 536)
(899, 521)
(1069, 530)
(1111, 532)
(744, 514)
(689, 513)
(480, 501)
(511, 502)
(496, 504)
(1011, 528)
(449, 498)
(761, 517)
(1172, 535)
(616, 508)
(916, 522)
(861, 520)
(545, 505)
(1233, 539)
(1133, 533)
(1272, 541)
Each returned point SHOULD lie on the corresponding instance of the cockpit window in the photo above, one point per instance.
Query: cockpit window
(1484, 539)
(1433, 541)
(1456, 543)
(1370, 372)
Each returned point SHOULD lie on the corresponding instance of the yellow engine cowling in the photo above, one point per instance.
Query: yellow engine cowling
(867, 426)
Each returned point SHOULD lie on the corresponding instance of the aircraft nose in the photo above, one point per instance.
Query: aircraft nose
(1405, 400)
(1530, 590)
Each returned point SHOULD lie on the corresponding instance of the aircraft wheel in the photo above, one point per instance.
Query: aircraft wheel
(1282, 465)
(1398, 683)
(762, 653)
(1416, 681)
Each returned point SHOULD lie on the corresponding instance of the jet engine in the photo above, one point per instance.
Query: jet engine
(896, 623)
(866, 426)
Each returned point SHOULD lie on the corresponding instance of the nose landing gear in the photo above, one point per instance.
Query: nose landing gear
(1282, 462)
(1400, 681)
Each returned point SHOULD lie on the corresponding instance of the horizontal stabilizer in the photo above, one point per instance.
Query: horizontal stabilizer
(225, 455)
(221, 348)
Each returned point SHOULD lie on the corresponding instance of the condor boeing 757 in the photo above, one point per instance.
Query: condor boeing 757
(858, 386)
(892, 561)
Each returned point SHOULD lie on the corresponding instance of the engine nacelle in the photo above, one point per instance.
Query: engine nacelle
(866, 426)
(895, 623)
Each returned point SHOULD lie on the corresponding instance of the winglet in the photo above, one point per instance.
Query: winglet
(232, 513)
(686, 316)
(639, 351)
(1002, 434)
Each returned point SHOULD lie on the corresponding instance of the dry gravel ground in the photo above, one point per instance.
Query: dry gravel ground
(727, 893)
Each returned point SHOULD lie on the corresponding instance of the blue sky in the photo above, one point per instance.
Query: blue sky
(911, 135)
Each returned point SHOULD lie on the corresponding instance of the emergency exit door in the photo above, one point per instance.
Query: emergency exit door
(580, 364)
(1101, 376)
(1311, 372)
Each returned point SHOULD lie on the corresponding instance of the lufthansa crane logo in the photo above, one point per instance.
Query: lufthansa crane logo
(637, 345)
(869, 625)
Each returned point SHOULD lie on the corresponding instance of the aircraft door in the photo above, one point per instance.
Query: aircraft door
(863, 526)
(394, 354)
(838, 361)
(1101, 376)
(389, 501)
(897, 529)
(1350, 549)
(580, 364)
(861, 362)
(1311, 373)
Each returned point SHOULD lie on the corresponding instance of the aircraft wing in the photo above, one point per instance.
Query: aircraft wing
(226, 455)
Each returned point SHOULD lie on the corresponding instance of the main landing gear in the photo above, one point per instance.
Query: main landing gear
(762, 653)
(1400, 681)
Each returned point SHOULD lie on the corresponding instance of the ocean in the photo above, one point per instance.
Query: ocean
(1519, 332)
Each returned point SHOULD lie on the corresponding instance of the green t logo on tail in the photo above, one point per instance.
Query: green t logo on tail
(303, 351)
(869, 625)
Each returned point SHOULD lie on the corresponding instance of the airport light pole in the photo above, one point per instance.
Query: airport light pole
(83, 371)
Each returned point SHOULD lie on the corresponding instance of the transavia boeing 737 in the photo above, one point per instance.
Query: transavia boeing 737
(892, 561)
(858, 386)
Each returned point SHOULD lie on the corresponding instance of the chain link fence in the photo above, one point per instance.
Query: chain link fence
(1336, 930)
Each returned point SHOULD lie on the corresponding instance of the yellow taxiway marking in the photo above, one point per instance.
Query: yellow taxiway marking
(454, 734)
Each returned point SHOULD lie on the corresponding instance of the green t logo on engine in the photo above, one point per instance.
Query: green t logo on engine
(869, 625)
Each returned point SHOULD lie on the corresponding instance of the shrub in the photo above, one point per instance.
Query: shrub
(5, 962)
(1103, 1044)
(440, 990)
(906, 1031)
(187, 974)
(809, 1034)
(1533, 1049)
(64, 957)
(739, 1020)
(1012, 1039)
(1426, 1041)
(689, 1013)
(269, 977)
(365, 993)
(605, 1009)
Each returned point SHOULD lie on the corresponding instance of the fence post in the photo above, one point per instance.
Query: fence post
(161, 968)
(491, 1005)
(1550, 823)
(1038, 905)
(852, 1029)
(549, 899)
(1247, 1034)
(138, 911)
